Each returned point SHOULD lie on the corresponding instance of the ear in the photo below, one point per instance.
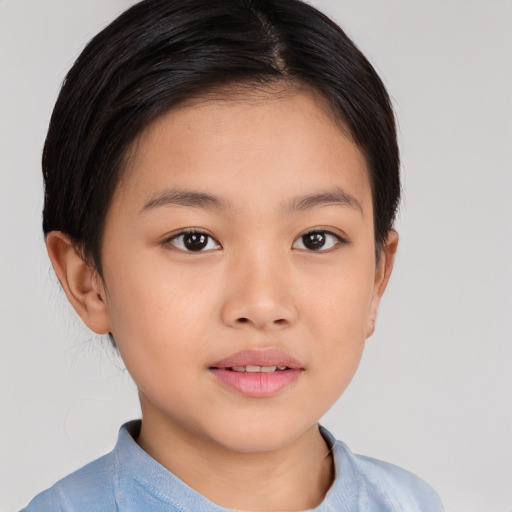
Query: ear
(81, 283)
(382, 275)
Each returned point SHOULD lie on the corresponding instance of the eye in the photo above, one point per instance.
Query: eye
(318, 240)
(193, 241)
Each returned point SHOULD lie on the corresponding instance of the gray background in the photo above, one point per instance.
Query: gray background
(433, 393)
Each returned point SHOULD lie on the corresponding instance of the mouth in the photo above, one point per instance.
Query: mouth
(257, 374)
(254, 369)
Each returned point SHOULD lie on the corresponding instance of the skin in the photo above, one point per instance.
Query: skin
(256, 285)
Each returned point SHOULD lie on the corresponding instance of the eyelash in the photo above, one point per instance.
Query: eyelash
(338, 240)
(197, 232)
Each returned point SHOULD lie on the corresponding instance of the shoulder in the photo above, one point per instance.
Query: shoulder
(379, 485)
(73, 493)
(401, 488)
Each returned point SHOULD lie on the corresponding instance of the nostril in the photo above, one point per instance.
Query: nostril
(279, 321)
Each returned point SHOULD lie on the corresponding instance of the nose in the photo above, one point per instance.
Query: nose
(260, 293)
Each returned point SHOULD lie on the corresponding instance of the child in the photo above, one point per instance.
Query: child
(221, 181)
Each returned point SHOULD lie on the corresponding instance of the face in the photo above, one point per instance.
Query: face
(240, 280)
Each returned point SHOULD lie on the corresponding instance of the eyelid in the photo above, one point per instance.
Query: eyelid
(341, 240)
(167, 241)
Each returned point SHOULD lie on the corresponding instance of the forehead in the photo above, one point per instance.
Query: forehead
(273, 141)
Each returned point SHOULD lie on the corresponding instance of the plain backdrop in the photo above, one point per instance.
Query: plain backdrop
(434, 390)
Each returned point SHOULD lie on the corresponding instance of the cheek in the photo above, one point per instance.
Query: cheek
(340, 296)
(338, 318)
(153, 309)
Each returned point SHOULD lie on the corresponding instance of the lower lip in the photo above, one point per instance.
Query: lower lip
(258, 384)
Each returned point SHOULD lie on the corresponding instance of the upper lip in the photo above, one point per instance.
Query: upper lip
(266, 357)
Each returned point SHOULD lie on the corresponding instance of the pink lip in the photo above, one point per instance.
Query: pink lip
(267, 357)
(257, 385)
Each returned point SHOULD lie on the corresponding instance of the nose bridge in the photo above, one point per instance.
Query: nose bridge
(260, 292)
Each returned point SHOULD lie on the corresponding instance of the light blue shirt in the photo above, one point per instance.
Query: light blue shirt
(129, 480)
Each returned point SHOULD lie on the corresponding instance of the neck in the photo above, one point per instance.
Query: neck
(294, 477)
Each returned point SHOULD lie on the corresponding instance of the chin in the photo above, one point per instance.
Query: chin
(250, 435)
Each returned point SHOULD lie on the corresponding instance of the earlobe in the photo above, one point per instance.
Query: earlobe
(81, 283)
(382, 275)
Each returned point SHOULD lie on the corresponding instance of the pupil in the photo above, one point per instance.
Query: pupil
(314, 240)
(195, 241)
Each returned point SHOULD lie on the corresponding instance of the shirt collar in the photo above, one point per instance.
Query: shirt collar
(136, 466)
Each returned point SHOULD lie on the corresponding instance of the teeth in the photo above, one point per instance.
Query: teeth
(282, 367)
(256, 369)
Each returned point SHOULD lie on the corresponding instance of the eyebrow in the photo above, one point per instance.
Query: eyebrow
(337, 196)
(176, 197)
